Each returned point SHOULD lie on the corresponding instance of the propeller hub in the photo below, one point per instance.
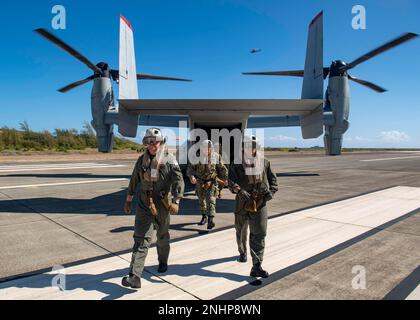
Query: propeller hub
(338, 68)
(104, 67)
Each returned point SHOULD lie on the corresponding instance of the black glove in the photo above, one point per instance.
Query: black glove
(244, 195)
(127, 207)
(268, 196)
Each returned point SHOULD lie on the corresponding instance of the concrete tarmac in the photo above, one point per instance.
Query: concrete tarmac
(59, 213)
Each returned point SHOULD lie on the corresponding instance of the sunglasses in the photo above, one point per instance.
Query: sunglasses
(151, 141)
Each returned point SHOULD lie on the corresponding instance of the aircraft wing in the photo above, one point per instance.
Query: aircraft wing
(273, 121)
(253, 121)
(161, 120)
(279, 107)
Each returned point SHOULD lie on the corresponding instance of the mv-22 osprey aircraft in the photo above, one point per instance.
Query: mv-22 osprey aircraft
(313, 112)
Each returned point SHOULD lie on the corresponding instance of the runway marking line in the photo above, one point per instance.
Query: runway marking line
(49, 164)
(61, 183)
(57, 166)
(387, 159)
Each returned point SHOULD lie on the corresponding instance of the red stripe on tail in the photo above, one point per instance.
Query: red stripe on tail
(126, 22)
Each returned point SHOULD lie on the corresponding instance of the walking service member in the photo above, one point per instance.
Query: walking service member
(158, 177)
(208, 175)
(254, 184)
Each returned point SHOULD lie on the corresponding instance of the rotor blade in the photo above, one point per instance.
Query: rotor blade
(293, 73)
(76, 84)
(49, 36)
(368, 84)
(115, 76)
(151, 77)
(389, 45)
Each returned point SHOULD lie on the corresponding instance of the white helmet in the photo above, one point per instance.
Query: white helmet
(153, 135)
(252, 140)
(206, 144)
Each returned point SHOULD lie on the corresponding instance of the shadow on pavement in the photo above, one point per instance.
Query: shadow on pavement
(109, 204)
(297, 174)
(112, 291)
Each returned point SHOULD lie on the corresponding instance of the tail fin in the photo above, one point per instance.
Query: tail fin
(128, 72)
(128, 89)
(313, 81)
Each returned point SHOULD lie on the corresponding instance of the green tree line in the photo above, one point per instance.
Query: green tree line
(26, 139)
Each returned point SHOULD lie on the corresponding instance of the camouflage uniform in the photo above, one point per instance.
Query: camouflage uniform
(218, 148)
(170, 182)
(257, 221)
(207, 187)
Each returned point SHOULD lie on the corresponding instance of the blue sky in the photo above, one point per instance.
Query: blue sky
(209, 42)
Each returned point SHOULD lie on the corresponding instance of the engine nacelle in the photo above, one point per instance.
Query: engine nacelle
(102, 100)
(337, 107)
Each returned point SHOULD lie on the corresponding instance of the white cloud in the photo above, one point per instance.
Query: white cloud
(394, 136)
(357, 139)
(280, 138)
(362, 139)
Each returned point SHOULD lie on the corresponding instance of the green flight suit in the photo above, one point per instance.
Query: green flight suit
(207, 174)
(257, 221)
(170, 182)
